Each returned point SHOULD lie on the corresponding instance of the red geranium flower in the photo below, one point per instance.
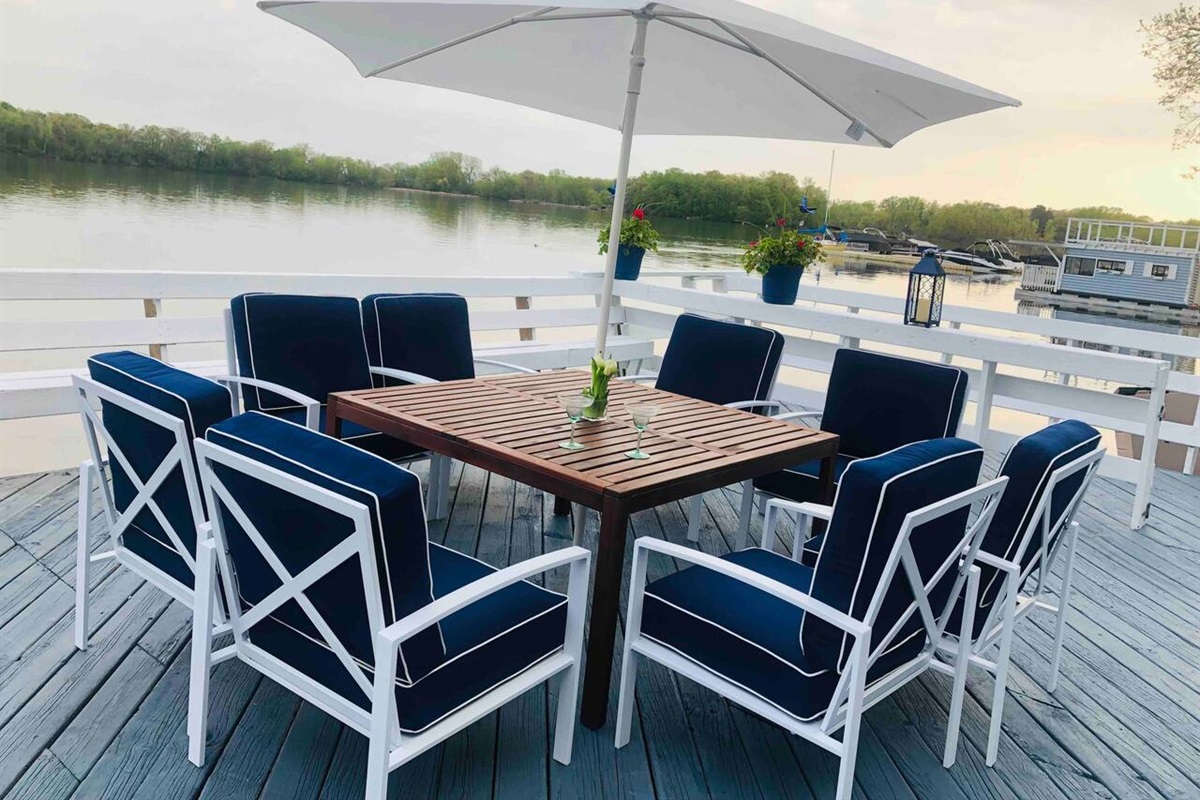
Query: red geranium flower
(639, 214)
(779, 223)
(754, 243)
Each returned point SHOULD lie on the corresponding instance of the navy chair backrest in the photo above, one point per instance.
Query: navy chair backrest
(311, 344)
(720, 362)
(145, 444)
(877, 403)
(873, 498)
(1015, 532)
(298, 532)
(429, 334)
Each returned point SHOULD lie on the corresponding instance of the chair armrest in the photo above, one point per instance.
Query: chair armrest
(638, 378)
(795, 597)
(494, 363)
(814, 510)
(800, 415)
(805, 513)
(756, 404)
(312, 407)
(1002, 564)
(439, 609)
(401, 375)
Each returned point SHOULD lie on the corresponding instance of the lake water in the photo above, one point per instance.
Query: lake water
(56, 215)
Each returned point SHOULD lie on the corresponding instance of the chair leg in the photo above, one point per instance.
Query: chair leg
(568, 679)
(743, 534)
(1064, 599)
(962, 663)
(383, 703)
(1002, 661)
(202, 624)
(695, 511)
(83, 557)
(854, 712)
(629, 659)
(578, 523)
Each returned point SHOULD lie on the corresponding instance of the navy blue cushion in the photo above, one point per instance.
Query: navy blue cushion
(874, 496)
(720, 362)
(487, 642)
(199, 402)
(313, 345)
(877, 403)
(299, 532)
(799, 483)
(1028, 466)
(429, 334)
(372, 441)
(748, 636)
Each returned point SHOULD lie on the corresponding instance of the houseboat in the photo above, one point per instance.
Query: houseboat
(1130, 268)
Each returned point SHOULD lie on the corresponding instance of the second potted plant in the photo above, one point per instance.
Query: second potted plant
(637, 236)
(781, 258)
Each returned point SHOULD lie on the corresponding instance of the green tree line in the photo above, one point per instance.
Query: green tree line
(713, 196)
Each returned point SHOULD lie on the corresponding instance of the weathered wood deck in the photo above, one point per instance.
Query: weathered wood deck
(110, 723)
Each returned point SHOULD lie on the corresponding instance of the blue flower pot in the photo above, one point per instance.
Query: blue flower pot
(629, 262)
(781, 284)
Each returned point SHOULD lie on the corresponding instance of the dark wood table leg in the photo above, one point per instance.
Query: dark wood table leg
(333, 423)
(824, 489)
(606, 605)
(562, 506)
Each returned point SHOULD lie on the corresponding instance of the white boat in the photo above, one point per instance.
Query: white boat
(990, 256)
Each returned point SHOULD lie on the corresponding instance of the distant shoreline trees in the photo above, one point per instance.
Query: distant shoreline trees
(711, 196)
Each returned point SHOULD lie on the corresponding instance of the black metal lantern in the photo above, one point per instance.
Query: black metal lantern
(926, 285)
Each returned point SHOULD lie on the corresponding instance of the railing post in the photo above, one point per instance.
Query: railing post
(524, 304)
(949, 357)
(851, 342)
(688, 282)
(983, 401)
(1145, 481)
(613, 327)
(151, 308)
(720, 286)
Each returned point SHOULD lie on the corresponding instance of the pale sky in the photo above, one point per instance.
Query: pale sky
(1089, 133)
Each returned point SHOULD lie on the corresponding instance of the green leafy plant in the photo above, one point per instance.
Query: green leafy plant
(785, 248)
(636, 231)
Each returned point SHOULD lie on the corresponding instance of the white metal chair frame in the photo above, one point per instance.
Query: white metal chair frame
(852, 696)
(389, 748)
(1010, 605)
(91, 472)
(437, 501)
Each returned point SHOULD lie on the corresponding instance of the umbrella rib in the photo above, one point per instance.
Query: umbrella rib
(786, 70)
(684, 27)
(462, 40)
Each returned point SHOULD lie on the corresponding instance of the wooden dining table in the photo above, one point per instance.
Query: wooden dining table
(512, 425)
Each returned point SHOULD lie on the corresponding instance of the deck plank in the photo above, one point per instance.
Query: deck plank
(109, 723)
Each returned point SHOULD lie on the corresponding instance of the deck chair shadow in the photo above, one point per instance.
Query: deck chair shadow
(144, 415)
(287, 353)
(811, 649)
(336, 593)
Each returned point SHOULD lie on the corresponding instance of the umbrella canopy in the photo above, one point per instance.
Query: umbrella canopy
(713, 67)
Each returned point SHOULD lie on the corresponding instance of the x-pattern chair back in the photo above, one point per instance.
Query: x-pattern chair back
(903, 565)
(294, 584)
(178, 456)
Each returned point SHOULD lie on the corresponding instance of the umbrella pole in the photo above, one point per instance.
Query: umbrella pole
(637, 60)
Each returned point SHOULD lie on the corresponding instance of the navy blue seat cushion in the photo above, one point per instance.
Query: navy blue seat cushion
(720, 362)
(1028, 466)
(487, 642)
(799, 483)
(429, 334)
(874, 496)
(380, 444)
(199, 402)
(299, 531)
(877, 403)
(310, 344)
(745, 635)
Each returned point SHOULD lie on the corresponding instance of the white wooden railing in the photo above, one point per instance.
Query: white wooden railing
(534, 319)
(1040, 277)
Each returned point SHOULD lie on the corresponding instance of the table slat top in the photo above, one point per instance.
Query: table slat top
(519, 416)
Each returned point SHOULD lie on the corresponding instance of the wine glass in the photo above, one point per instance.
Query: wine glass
(641, 413)
(574, 403)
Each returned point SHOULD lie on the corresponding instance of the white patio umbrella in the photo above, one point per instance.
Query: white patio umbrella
(717, 67)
